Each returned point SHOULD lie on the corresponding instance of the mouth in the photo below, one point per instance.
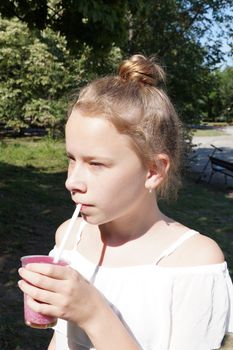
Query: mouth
(84, 205)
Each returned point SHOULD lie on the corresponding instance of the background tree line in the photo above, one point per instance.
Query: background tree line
(48, 48)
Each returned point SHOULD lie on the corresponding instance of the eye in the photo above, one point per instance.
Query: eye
(71, 160)
(96, 164)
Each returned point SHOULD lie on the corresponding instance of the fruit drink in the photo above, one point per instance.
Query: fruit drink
(32, 318)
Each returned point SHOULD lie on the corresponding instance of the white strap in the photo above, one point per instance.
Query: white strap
(79, 233)
(174, 246)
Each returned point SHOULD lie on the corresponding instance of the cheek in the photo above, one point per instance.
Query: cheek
(122, 186)
(70, 169)
(67, 181)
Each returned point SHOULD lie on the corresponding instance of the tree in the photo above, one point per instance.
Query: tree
(226, 93)
(223, 94)
(219, 101)
(174, 31)
(213, 99)
(101, 23)
(39, 75)
(95, 23)
(36, 73)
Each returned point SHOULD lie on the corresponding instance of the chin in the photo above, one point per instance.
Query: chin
(93, 220)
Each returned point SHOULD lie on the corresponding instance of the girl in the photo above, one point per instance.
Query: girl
(137, 279)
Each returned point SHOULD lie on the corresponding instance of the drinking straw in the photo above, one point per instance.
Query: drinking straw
(67, 233)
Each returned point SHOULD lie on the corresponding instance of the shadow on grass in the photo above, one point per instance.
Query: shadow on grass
(199, 160)
(208, 209)
(33, 204)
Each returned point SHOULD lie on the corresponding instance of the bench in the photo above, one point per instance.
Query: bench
(221, 166)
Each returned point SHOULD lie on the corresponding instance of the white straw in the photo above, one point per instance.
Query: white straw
(67, 233)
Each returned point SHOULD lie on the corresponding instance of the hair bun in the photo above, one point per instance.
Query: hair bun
(141, 69)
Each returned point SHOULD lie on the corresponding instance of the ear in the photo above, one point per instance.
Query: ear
(157, 171)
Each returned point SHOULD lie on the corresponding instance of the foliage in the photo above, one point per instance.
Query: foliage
(70, 42)
(33, 76)
(219, 101)
(120, 21)
(38, 74)
(226, 92)
(79, 21)
(173, 30)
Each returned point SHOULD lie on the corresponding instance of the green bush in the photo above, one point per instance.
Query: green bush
(37, 71)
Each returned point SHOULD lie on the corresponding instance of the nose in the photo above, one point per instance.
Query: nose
(75, 181)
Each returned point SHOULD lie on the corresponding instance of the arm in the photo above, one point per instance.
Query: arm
(105, 322)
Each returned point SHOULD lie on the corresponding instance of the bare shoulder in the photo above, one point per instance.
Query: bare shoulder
(207, 251)
(61, 230)
(196, 251)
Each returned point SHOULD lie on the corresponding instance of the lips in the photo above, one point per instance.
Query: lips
(79, 202)
(84, 205)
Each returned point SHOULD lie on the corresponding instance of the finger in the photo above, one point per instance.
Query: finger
(40, 295)
(42, 308)
(40, 281)
(54, 271)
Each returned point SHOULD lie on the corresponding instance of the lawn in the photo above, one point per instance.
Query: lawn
(208, 132)
(33, 202)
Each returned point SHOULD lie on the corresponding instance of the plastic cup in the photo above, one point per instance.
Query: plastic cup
(34, 319)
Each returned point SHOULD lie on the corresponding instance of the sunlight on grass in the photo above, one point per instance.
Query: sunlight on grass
(206, 210)
(35, 152)
(208, 132)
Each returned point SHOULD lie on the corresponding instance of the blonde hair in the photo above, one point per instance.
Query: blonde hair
(135, 102)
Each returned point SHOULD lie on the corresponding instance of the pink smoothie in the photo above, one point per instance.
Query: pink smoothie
(32, 318)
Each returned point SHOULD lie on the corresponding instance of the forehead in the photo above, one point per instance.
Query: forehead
(95, 134)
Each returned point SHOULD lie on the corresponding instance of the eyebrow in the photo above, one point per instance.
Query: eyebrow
(91, 157)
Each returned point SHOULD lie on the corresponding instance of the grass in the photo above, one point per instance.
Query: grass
(44, 154)
(214, 124)
(208, 210)
(208, 132)
(33, 202)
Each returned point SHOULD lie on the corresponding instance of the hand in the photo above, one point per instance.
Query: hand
(59, 291)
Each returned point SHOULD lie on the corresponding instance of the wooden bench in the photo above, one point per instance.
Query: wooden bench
(221, 166)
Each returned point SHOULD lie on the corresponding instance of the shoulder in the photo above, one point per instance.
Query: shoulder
(61, 230)
(198, 250)
(206, 251)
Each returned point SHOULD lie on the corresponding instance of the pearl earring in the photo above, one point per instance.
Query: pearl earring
(150, 190)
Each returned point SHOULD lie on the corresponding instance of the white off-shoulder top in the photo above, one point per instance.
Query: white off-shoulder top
(165, 308)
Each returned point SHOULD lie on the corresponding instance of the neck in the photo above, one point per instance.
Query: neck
(131, 226)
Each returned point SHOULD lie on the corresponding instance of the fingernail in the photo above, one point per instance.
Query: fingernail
(19, 283)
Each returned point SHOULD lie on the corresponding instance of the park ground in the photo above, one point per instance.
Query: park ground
(33, 202)
(204, 140)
